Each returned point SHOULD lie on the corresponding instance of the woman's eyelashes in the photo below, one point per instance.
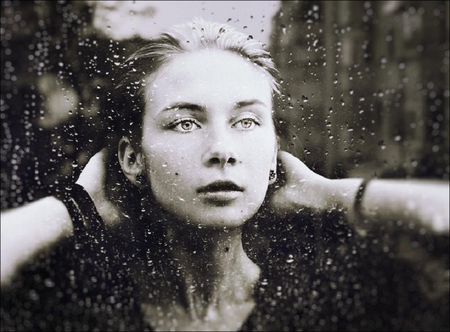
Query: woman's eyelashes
(189, 125)
(246, 124)
(184, 125)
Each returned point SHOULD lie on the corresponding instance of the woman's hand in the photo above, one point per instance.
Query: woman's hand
(298, 188)
(415, 203)
(93, 179)
(28, 229)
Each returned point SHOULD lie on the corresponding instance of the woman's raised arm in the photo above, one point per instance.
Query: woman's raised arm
(417, 203)
(28, 229)
(33, 227)
(414, 203)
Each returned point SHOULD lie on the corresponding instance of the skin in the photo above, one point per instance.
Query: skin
(208, 118)
(220, 142)
(202, 125)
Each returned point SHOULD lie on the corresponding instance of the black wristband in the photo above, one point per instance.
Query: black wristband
(359, 197)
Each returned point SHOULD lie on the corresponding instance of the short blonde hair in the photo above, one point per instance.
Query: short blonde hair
(128, 102)
(196, 35)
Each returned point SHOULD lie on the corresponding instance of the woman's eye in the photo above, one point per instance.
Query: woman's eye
(246, 124)
(185, 126)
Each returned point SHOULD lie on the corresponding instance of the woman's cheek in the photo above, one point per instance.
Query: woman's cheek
(167, 167)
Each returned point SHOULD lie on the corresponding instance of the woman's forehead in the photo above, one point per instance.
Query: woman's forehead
(210, 76)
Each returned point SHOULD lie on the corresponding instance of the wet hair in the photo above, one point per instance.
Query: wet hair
(128, 97)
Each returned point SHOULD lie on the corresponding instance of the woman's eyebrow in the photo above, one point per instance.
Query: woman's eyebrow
(249, 102)
(201, 108)
(186, 106)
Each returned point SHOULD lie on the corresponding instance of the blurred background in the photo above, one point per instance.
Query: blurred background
(365, 83)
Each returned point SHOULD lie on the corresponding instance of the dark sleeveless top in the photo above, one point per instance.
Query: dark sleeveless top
(316, 274)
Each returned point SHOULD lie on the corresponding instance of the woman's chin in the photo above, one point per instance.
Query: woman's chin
(219, 221)
(209, 217)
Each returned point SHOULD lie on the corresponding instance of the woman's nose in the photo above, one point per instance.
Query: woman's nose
(220, 154)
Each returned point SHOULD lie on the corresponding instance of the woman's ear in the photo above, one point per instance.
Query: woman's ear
(131, 162)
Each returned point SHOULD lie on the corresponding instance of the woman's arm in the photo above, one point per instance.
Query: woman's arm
(28, 229)
(31, 228)
(416, 203)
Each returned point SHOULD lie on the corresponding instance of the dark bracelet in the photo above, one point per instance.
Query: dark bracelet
(358, 199)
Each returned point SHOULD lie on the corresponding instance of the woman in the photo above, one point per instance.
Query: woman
(209, 226)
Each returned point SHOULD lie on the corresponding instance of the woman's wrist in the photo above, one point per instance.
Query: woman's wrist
(344, 194)
(318, 195)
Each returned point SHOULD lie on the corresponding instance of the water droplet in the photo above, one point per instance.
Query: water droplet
(49, 283)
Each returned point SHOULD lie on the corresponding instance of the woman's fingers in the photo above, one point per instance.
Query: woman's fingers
(299, 189)
(291, 167)
(94, 170)
(290, 170)
(92, 178)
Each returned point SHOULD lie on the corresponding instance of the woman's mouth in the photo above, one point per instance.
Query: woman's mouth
(220, 192)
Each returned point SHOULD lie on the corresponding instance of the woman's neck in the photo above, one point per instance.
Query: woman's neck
(215, 270)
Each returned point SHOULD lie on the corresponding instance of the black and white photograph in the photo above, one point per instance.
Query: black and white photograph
(225, 165)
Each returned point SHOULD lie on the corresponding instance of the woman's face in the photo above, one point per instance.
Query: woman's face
(208, 138)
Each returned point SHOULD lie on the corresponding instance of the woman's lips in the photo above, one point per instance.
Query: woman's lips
(220, 196)
(220, 186)
(220, 192)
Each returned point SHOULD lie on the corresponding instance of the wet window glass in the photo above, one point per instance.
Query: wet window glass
(192, 181)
